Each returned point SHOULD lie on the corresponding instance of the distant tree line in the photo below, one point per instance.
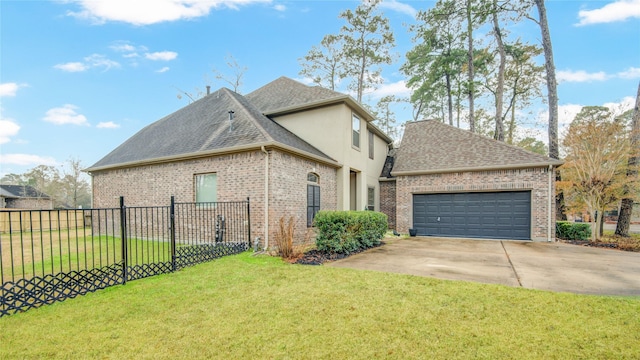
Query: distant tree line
(67, 187)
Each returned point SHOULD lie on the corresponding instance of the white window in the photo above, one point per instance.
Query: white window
(370, 138)
(206, 188)
(355, 129)
(371, 198)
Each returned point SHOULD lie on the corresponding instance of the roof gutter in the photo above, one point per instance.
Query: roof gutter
(468, 169)
(225, 151)
(324, 102)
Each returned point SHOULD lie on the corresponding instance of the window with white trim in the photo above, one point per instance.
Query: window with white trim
(206, 186)
(370, 139)
(371, 198)
(355, 131)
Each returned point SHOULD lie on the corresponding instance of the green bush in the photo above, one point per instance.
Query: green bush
(573, 231)
(344, 232)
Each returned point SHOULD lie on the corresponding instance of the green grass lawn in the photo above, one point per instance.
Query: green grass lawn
(260, 307)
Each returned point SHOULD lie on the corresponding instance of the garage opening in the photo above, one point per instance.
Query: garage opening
(485, 215)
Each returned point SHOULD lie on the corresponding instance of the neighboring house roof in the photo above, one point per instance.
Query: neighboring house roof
(284, 96)
(21, 191)
(203, 128)
(433, 147)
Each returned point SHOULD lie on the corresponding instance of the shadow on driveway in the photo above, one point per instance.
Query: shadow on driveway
(544, 266)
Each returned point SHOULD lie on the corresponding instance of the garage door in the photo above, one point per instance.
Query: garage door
(489, 215)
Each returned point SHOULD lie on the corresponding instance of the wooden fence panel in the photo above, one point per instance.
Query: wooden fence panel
(42, 220)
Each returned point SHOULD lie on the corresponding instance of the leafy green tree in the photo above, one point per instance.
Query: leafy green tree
(323, 64)
(435, 64)
(385, 117)
(368, 42)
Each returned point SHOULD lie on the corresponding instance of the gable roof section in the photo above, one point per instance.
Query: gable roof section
(21, 191)
(285, 95)
(433, 147)
(203, 128)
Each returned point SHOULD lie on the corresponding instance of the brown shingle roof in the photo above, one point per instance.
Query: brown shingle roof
(203, 127)
(433, 147)
(285, 93)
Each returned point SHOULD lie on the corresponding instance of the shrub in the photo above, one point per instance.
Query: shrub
(344, 232)
(573, 231)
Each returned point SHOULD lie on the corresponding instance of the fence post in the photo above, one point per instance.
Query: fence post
(172, 231)
(123, 237)
(249, 221)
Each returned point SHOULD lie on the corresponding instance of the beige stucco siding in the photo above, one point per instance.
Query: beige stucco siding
(329, 129)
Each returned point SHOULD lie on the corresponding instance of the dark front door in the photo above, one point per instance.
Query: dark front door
(489, 215)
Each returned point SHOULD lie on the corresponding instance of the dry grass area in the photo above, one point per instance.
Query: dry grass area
(631, 243)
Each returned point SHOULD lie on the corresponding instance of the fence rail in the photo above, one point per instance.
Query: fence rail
(51, 262)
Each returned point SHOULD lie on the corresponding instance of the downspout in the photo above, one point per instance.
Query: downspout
(550, 203)
(266, 197)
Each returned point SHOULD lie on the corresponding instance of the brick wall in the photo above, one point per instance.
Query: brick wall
(535, 179)
(388, 202)
(29, 203)
(288, 191)
(239, 176)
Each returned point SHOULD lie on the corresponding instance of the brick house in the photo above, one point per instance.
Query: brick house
(292, 149)
(24, 197)
(445, 181)
(296, 149)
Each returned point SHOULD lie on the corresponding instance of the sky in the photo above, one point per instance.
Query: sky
(79, 77)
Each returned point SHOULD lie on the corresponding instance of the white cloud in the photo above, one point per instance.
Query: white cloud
(107, 125)
(163, 70)
(627, 103)
(147, 12)
(280, 7)
(27, 159)
(72, 67)
(619, 10)
(8, 128)
(9, 89)
(580, 76)
(398, 88)
(399, 7)
(65, 115)
(161, 55)
(630, 73)
(91, 61)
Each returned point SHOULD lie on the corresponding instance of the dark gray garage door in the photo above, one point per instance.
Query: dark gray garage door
(490, 215)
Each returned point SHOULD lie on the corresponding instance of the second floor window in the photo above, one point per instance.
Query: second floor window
(355, 130)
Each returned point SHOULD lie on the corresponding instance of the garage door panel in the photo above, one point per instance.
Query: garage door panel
(505, 215)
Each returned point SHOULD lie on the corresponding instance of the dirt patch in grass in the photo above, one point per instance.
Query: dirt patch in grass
(317, 257)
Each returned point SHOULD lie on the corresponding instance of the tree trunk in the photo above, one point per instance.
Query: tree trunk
(499, 132)
(626, 207)
(449, 98)
(470, 69)
(552, 98)
(552, 87)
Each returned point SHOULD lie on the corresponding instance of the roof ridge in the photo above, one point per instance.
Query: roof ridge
(483, 137)
(259, 126)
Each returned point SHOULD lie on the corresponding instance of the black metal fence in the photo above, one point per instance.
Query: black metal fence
(45, 257)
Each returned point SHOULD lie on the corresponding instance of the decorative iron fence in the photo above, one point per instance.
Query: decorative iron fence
(111, 246)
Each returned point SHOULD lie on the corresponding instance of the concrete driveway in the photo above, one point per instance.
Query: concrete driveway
(543, 266)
